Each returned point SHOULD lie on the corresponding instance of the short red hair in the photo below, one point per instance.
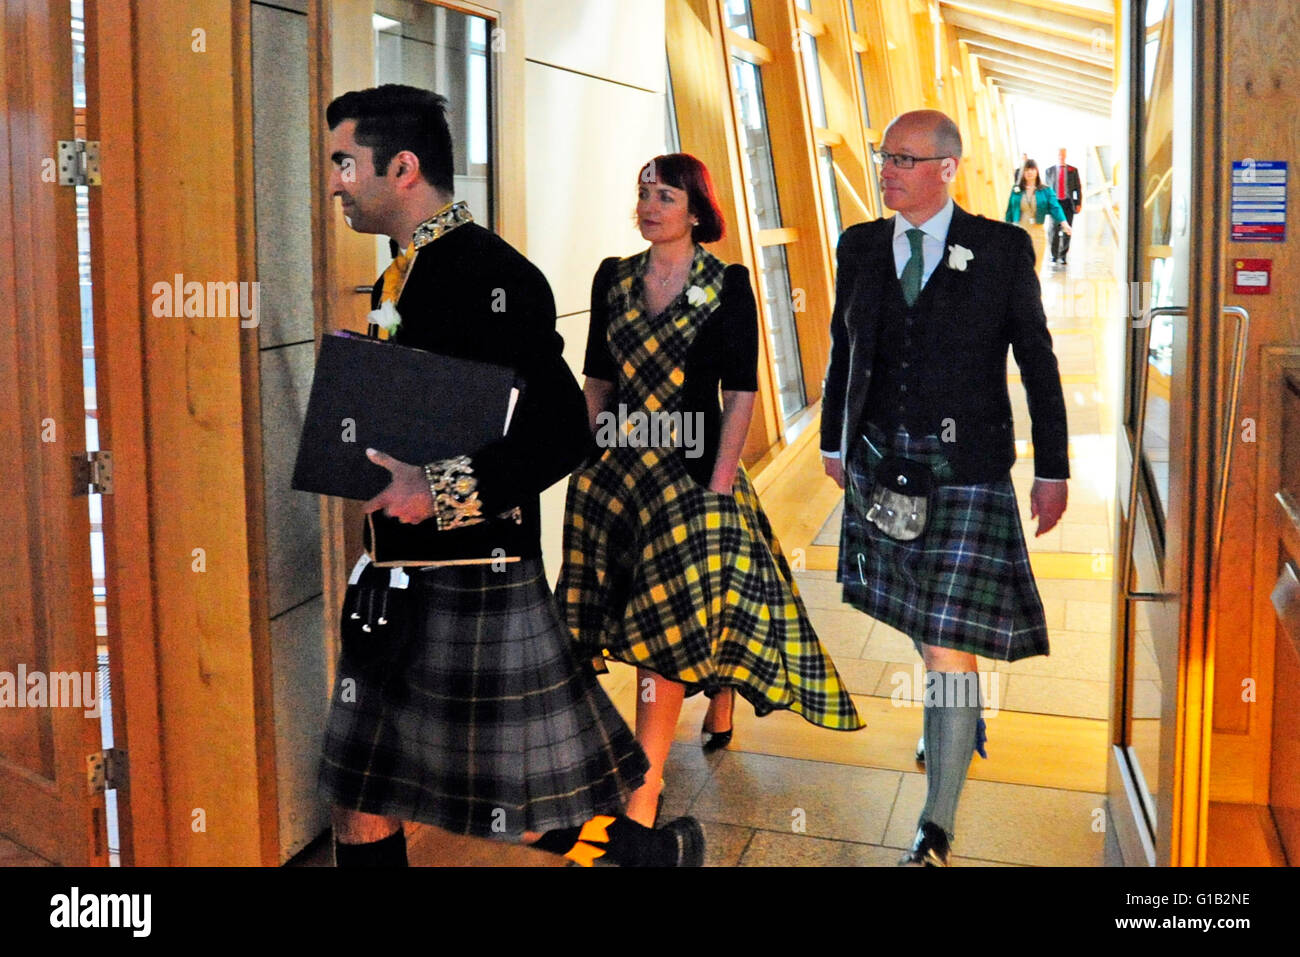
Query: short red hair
(684, 171)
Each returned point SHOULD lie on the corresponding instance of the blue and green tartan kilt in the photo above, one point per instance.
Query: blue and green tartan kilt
(965, 583)
(488, 724)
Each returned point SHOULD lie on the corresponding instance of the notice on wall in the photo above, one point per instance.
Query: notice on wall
(1259, 201)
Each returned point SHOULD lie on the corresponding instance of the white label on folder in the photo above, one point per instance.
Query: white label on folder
(510, 409)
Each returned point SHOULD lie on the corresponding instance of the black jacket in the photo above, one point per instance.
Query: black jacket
(969, 319)
(472, 295)
(1073, 187)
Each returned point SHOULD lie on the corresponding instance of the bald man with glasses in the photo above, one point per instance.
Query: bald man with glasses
(916, 427)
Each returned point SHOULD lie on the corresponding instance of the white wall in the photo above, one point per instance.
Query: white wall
(594, 106)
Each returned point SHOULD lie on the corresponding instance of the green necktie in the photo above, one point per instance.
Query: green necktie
(914, 269)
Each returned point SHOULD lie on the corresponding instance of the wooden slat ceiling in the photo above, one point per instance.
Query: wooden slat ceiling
(1061, 51)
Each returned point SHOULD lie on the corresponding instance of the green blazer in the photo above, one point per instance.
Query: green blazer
(1047, 203)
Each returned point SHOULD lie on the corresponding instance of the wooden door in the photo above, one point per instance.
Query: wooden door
(45, 590)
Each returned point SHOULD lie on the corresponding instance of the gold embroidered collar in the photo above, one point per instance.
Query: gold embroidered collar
(441, 223)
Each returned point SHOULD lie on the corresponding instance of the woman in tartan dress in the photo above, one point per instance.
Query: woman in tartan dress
(669, 562)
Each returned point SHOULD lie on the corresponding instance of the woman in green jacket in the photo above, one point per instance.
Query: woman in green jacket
(1031, 202)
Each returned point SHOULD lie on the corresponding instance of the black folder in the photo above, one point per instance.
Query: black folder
(416, 406)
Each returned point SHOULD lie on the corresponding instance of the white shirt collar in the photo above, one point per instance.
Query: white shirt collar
(935, 227)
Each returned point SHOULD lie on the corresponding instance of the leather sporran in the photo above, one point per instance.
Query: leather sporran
(899, 501)
(376, 609)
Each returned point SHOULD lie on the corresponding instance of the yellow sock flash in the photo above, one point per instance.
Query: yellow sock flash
(584, 854)
(597, 829)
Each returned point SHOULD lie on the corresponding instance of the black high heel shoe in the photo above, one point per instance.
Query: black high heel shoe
(717, 740)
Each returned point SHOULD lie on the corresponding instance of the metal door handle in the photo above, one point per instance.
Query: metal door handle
(1229, 426)
(1135, 471)
(363, 290)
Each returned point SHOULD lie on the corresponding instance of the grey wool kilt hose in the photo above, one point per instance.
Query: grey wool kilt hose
(486, 723)
(965, 583)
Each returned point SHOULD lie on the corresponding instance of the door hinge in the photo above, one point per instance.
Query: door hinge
(92, 472)
(105, 770)
(79, 163)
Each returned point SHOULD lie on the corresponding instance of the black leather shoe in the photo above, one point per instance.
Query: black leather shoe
(690, 841)
(931, 848)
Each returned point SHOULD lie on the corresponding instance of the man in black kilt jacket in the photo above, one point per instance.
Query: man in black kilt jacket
(916, 422)
(480, 720)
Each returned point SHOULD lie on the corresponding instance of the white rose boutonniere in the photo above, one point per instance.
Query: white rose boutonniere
(386, 317)
(695, 296)
(958, 257)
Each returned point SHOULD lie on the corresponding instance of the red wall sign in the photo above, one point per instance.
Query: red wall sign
(1252, 277)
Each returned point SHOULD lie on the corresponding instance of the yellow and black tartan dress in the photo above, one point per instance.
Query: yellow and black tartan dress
(659, 570)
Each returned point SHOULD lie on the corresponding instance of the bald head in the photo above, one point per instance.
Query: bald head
(943, 132)
(934, 143)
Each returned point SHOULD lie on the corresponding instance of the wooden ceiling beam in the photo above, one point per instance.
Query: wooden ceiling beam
(1097, 54)
(1039, 73)
(1011, 87)
(1005, 48)
(1030, 17)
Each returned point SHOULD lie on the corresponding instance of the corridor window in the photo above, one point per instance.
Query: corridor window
(817, 106)
(736, 17)
(774, 276)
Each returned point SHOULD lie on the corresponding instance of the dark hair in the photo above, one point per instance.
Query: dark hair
(392, 118)
(1029, 164)
(684, 171)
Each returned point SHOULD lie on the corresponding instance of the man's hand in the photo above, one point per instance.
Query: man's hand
(407, 497)
(835, 469)
(1047, 504)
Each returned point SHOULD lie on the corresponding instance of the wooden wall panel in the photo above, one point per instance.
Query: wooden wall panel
(193, 198)
(120, 361)
(1261, 81)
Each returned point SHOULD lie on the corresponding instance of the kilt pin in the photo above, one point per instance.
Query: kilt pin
(666, 574)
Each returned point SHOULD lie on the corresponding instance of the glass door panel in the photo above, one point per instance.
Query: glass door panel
(421, 44)
(1157, 416)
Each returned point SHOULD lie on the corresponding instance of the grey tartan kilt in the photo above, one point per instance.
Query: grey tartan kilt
(965, 584)
(488, 725)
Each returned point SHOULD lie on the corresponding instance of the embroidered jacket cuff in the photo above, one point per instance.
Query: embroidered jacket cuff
(454, 488)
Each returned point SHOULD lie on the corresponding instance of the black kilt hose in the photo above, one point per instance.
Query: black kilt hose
(488, 725)
(965, 583)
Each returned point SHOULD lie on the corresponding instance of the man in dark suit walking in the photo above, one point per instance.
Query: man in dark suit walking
(476, 716)
(916, 426)
(1064, 179)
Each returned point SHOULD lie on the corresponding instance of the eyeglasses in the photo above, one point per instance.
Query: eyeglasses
(902, 160)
